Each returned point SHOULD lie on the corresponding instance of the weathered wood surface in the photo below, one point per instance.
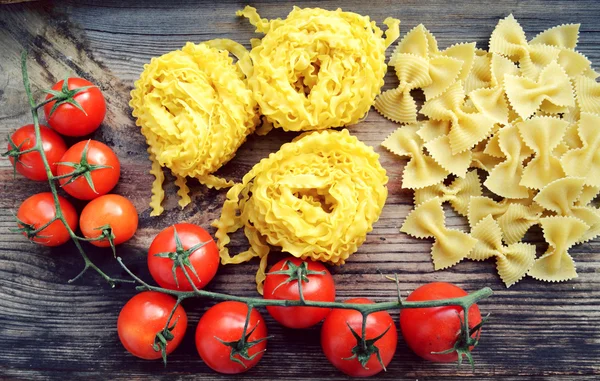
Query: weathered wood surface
(53, 330)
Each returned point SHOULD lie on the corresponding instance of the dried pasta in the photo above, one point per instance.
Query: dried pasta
(458, 193)
(585, 161)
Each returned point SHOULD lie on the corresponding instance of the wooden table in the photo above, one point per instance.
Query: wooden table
(53, 330)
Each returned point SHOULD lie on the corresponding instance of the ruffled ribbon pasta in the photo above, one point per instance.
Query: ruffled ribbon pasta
(458, 193)
(316, 68)
(316, 197)
(585, 161)
(512, 261)
(557, 265)
(450, 246)
(195, 110)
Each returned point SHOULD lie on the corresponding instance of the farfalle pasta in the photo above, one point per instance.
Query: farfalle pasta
(317, 197)
(316, 68)
(458, 193)
(585, 161)
(195, 110)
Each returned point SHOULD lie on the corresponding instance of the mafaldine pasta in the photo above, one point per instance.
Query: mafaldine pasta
(317, 197)
(527, 114)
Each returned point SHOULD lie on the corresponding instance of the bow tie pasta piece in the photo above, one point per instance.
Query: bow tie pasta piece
(512, 261)
(542, 134)
(561, 36)
(458, 193)
(468, 128)
(441, 151)
(317, 69)
(421, 170)
(585, 162)
(195, 110)
(560, 197)
(465, 52)
(556, 265)
(588, 94)
(480, 75)
(432, 129)
(418, 41)
(526, 96)
(588, 194)
(450, 246)
(317, 197)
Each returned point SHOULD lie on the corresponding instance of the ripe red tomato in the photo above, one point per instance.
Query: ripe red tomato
(319, 287)
(38, 210)
(68, 119)
(30, 164)
(435, 329)
(204, 260)
(145, 315)
(104, 179)
(109, 210)
(338, 341)
(224, 322)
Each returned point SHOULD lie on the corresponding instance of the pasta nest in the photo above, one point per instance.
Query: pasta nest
(317, 69)
(195, 110)
(317, 197)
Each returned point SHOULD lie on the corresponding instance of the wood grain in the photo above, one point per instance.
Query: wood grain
(53, 330)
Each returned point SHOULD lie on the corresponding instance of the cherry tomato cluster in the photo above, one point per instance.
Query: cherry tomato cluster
(88, 170)
(231, 339)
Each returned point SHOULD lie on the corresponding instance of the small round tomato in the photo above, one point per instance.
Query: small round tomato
(337, 340)
(38, 210)
(201, 263)
(30, 164)
(435, 329)
(100, 162)
(112, 213)
(316, 287)
(143, 317)
(67, 118)
(224, 322)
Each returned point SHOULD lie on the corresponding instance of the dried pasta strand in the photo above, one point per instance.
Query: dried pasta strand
(450, 246)
(158, 194)
(585, 161)
(458, 193)
(183, 191)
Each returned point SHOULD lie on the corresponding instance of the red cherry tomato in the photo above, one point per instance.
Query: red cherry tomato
(337, 340)
(205, 260)
(435, 329)
(38, 210)
(109, 210)
(143, 317)
(225, 321)
(104, 179)
(69, 120)
(30, 164)
(320, 287)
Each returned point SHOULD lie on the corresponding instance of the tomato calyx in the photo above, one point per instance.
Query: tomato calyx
(364, 349)
(15, 153)
(295, 273)
(30, 231)
(465, 341)
(65, 96)
(82, 169)
(181, 259)
(162, 338)
(106, 235)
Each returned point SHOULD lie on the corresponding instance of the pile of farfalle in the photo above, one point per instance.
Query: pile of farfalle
(526, 113)
(317, 197)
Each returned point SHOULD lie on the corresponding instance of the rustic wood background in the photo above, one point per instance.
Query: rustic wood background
(53, 330)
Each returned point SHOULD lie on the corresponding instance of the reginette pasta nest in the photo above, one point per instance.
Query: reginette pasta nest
(317, 197)
(195, 110)
(316, 68)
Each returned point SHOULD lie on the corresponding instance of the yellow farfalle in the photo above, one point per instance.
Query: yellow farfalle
(560, 197)
(561, 36)
(467, 128)
(505, 178)
(551, 89)
(317, 197)
(588, 194)
(195, 110)
(450, 246)
(458, 193)
(440, 150)
(588, 94)
(585, 161)
(556, 265)
(317, 69)
(480, 75)
(421, 170)
(512, 261)
(542, 134)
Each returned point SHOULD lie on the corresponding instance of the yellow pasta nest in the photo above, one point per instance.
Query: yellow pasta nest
(195, 110)
(317, 69)
(317, 197)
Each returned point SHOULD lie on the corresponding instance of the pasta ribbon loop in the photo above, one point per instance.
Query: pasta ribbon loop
(557, 265)
(588, 94)
(458, 193)
(585, 161)
(512, 261)
(317, 197)
(450, 246)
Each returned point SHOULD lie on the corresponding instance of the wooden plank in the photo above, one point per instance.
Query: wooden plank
(55, 330)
